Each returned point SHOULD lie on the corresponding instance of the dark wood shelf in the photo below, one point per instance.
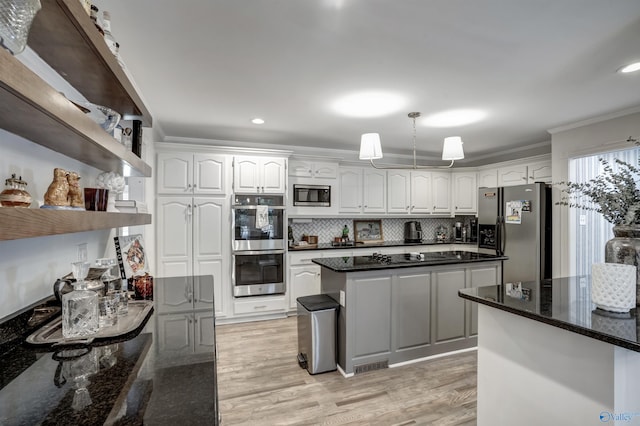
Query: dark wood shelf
(17, 223)
(65, 37)
(31, 108)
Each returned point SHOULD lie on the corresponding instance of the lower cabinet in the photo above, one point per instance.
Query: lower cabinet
(372, 316)
(449, 315)
(259, 305)
(411, 295)
(304, 280)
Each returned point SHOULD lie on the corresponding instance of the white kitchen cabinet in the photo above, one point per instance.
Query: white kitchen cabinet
(191, 173)
(488, 178)
(465, 193)
(374, 191)
(259, 175)
(362, 191)
(304, 280)
(539, 172)
(441, 192)
(187, 332)
(512, 175)
(313, 169)
(258, 305)
(409, 191)
(193, 235)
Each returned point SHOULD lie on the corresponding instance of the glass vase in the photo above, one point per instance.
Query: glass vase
(15, 21)
(624, 248)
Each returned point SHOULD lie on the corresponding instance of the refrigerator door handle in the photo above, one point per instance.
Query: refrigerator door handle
(503, 236)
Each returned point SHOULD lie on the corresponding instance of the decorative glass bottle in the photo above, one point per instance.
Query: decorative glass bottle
(624, 248)
(79, 307)
(108, 37)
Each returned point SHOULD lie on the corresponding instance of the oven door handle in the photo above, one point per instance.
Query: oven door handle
(241, 207)
(255, 252)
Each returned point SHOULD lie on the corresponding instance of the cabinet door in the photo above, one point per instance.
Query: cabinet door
(204, 332)
(399, 191)
(210, 239)
(209, 174)
(464, 192)
(298, 168)
(421, 192)
(304, 280)
(350, 190)
(488, 178)
(175, 173)
(539, 172)
(513, 175)
(325, 170)
(449, 314)
(273, 175)
(372, 316)
(411, 302)
(441, 192)
(175, 333)
(246, 172)
(174, 233)
(374, 191)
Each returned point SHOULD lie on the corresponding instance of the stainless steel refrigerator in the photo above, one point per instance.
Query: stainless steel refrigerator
(516, 221)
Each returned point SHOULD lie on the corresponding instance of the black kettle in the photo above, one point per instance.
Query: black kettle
(412, 232)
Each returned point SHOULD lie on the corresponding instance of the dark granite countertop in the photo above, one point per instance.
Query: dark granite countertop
(564, 303)
(368, 263)
(125, 380)
(398, 243)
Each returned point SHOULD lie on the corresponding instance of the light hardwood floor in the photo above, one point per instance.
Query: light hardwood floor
(260, 383)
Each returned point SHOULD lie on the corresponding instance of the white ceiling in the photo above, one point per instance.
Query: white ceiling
(207, 67)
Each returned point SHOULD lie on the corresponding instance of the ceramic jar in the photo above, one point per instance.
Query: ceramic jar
(624, 248)
(15, 193)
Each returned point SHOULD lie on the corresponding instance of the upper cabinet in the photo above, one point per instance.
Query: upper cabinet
(191, 174)
(362, 190)
(313, 169)
(512, 175)
(259, 175)
(539, 172)
(464, 192)
(488, 178)
(419, 192)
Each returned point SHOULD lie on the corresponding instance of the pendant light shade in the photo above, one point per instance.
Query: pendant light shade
(370, 148)
(452, 148)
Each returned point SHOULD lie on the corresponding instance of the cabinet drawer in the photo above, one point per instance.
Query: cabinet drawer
(303, 258)
(261, 305)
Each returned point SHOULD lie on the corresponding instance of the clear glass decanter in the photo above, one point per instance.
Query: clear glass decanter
(79, 307)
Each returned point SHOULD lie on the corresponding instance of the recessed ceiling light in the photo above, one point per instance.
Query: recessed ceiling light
(630, 68)
(257, 121)
(369, 104)
(454, 117)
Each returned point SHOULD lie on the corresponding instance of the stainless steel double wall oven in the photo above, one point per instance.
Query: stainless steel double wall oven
(259, 235)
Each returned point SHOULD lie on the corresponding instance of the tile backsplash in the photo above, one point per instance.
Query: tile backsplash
(392, 228)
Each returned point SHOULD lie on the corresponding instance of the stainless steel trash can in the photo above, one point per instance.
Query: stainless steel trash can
(317, 318)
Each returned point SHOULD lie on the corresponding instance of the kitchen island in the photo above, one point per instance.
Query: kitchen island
(546, 355)
(133, 379)
(403, 308)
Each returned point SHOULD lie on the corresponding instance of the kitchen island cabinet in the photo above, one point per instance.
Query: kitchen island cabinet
(547, 355)
(402, 309)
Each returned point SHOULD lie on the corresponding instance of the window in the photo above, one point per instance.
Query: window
(589, 230)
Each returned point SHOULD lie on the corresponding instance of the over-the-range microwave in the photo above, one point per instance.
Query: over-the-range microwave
(312, 195)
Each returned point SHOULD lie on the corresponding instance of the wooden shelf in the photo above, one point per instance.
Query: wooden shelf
(17, 223)
(65, 37)
(31, 108)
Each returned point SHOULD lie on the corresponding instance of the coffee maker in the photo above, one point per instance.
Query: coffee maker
(473, 230)
(457, 231)
(412, 232)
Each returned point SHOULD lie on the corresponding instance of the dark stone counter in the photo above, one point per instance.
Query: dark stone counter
(368, 263)
(399, 243)
(564, 303)
(128, 380)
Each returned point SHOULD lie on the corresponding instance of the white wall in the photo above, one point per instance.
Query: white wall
(29, 267)
(586, 138)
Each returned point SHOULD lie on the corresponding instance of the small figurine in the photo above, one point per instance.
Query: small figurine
(75, 193)
(58, 191)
